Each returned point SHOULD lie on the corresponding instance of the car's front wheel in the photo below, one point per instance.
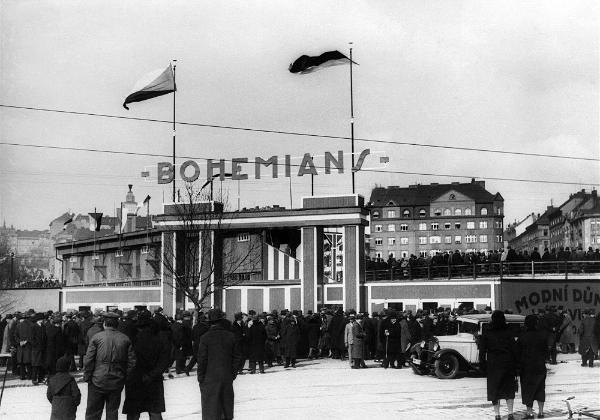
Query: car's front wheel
(447, 366)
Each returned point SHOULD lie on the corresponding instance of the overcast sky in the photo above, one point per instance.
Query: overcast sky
(507, 75)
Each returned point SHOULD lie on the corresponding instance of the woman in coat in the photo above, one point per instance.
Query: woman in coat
(144, 390)
(498, 350)
(532, 351)
(566, 334)
(290, 339)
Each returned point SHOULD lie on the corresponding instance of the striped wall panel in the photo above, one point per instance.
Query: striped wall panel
(281, 266)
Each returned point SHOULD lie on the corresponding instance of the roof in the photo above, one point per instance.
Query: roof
(488, 317)
(416, 195)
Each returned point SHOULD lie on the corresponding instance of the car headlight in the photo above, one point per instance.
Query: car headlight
(422, 344)
(436, 347)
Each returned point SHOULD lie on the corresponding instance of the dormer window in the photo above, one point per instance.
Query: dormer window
(406, 213)
(422, 213)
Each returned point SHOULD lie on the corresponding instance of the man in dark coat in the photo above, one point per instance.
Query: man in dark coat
(23, 338)
(392, 333)
(144, 391)
(313, 326)
(290, 338)
(218, 362)
(182, 343)
(336, 329)
(257, 337)
(71, 334)
(85, 322)
(38, 345)
(127, 324)
(55, 346)
(198, 330)
(240, 332)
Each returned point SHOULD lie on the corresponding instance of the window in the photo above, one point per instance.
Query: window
(447, 225)
(467, 211)
(448, 239)
(378, 241)
(458, 212)
(391, 214)
(438, 212)
(447, 212)
(378, 228)
(391, 228)
(378, 255)
(423, 240)
(375, 214)
(404, 254)
(404, 241)
(457, 225)
(470, 239)
(391, 241)
(484, 211)
(435, 239)
(435, 226)
(457, 240)
(483, 225)
(243, 237)
(406, 213)
(470, 225)
(483, 238)
(403, 227)
(545, 231)
(422, 226)
(498, 224)
(423, 254)
(422, 213)
(499, 238)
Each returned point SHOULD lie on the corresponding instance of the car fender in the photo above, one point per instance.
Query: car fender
(464, 364)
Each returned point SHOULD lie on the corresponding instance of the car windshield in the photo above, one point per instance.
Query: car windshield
(469, 327)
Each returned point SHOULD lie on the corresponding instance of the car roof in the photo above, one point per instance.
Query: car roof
(476, 318)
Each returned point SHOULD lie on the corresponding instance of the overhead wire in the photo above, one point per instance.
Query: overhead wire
(305, 134)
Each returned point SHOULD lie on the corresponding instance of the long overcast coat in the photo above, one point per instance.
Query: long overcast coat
(500, 352)
(218, 359)
(144, 391)
(24, 333)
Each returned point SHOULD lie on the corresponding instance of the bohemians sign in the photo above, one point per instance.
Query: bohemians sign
(274, 166)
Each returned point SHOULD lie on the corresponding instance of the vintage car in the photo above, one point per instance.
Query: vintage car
(447, 355)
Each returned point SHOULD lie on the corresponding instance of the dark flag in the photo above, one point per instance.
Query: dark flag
(97, 218)
(147, 199)
(306, 64)
(156, 83)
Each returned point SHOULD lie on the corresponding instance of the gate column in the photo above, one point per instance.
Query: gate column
(312, 266)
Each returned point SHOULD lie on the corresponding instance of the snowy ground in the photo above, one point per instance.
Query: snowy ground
(329, 389)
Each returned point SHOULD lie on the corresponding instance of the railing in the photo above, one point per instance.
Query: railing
(124, 283)
(490, 269)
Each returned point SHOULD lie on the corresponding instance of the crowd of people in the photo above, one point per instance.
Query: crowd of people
(47, 345)
(40, 283)
(460, 262)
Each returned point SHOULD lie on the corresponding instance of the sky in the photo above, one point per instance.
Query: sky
(517, 76)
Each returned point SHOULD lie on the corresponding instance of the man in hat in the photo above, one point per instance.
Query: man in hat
(219, 357)
(38, 344)
(109, 360)
(23, 339)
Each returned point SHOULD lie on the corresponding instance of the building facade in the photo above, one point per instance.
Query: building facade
(576, 223)
(535, 235)
(423, 220)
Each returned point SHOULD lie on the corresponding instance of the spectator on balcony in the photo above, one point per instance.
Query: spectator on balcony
(547, 255)
(535, 255)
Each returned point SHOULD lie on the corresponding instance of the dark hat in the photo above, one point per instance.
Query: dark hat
(178, 316)
(131, 314)
(237, 316)
(159, 309)
(110, 315)
(56, 319)
(63, 364)
(37, 317)
(144, 320)
(215, 315)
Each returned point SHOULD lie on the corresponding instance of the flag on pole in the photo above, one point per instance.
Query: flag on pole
(306, 64)
(156, 83)
(123, 219)
(147, 199)
(69, 220)
(95, 221)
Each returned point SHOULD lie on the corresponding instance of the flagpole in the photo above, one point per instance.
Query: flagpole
(352, 117)
(174, 129)
(95, 223)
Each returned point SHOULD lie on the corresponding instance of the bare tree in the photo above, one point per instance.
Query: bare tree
(204, 255)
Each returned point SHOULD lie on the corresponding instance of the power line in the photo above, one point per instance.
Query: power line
(120, 152)
(297, 133)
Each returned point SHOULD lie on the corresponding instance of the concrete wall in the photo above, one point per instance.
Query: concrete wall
(37, 299)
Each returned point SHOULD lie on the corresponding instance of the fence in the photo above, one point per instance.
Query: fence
(490, 269)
